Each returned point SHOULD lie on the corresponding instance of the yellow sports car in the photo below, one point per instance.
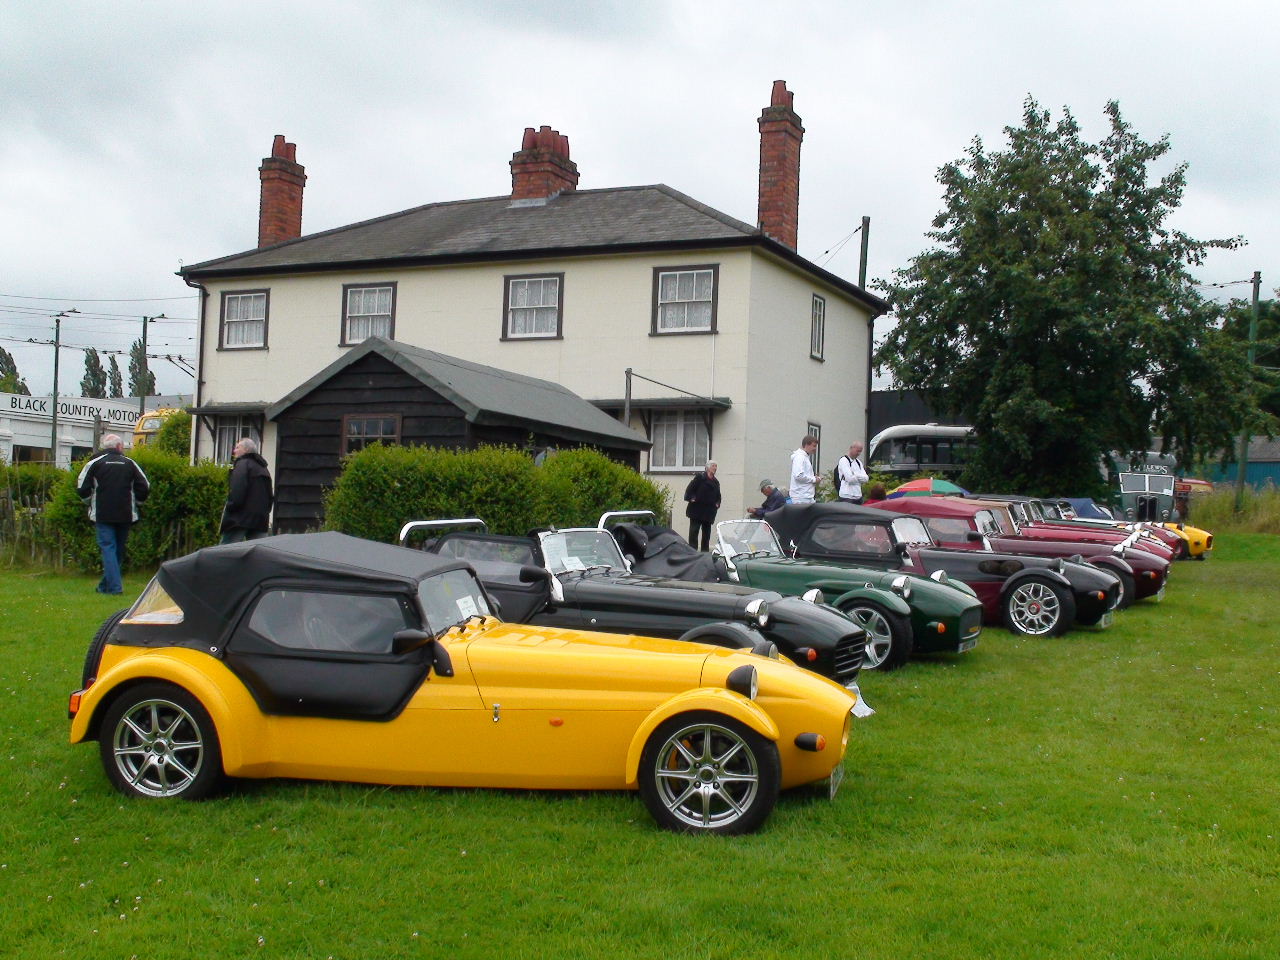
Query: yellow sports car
(329, 657)
(1199, 542)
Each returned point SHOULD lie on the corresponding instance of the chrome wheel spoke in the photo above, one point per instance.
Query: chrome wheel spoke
(729, 754)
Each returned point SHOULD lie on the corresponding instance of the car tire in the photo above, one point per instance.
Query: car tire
(889, 637)
(687, 788)
(1128, 589)
(1038, 607)
(93, 656)
(157, 741)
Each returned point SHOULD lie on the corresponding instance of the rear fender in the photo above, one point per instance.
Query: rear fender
(885, 598)
(720, 701)
(236, 716)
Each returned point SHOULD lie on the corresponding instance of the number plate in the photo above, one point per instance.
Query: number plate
(1159, 595)
(834, 781)
(967, 645)
(1107, 620)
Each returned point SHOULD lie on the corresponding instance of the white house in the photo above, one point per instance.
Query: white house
(751, 345)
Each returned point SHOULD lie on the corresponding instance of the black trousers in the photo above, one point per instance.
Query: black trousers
(705, 527)
(857, 500)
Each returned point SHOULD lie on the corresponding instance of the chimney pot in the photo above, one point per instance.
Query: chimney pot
(541, 167)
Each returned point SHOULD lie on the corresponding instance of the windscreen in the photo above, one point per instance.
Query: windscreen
(566, 550)
(450, 598)
(739, 537)
(910, 530)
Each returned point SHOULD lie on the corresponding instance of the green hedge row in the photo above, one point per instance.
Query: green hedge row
(181, 514)
(381, 487)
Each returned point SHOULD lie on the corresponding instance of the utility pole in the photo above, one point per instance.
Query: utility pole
(871, 333)
(57, 351)
(1243, 465)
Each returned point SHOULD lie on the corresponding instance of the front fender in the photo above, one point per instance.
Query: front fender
(704, 698)
(235, 714)
(1112, 564)
(885, 598)
(1044, 573)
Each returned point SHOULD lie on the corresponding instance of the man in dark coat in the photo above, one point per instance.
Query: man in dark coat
(247, 515)
(773, 499)
(703, 499)
(112, 486)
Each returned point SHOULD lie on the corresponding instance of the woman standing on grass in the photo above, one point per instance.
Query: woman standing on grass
(703, 499)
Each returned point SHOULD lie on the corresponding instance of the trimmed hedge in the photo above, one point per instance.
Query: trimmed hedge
(181, 514)
(381, 487)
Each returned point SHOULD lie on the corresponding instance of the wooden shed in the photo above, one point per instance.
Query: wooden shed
(389, 392)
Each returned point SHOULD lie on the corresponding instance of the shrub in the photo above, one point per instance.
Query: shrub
(174, 435)
(25, 489)
(1216, 512)
(181, 514)
(381, 487)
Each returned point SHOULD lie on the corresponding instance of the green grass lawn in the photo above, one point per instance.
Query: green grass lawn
(1103, 795)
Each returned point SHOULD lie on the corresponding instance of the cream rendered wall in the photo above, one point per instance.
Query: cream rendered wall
(457, 310)
(789, 389)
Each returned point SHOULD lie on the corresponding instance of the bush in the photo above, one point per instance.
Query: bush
(382, 487)
(181, 514)
(174, 435)
(25, 489)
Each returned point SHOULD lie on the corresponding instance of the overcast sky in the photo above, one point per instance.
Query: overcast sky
(131, 132)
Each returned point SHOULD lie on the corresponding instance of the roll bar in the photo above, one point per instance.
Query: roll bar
(413, 525)
(617, 514)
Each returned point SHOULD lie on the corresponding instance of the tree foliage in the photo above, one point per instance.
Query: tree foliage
(1266, 348)
(142, 382)
(1057, 312)
(115, 381)
(174, 435)
(94, 383)
(10, 380)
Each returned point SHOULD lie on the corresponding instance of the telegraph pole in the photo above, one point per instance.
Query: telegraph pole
(57, 351)
(1245, 435)
(146, 368)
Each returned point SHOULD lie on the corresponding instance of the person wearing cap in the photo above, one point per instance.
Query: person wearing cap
(773, 499)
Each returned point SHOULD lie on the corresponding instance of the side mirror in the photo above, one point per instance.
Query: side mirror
(531, 574)
(973, 536)
(405, 640)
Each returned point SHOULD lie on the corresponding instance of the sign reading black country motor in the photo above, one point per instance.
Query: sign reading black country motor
(88, 409)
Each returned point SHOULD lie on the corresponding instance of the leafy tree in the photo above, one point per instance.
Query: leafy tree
(174, 435)
(114, 378)
(1057, 314)
(10, 380)
(142, 382)
(94, 383)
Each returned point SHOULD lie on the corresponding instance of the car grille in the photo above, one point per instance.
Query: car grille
(970, 622)
(846, 659)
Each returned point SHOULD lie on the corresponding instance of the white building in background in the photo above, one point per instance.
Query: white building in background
(752, 346)
(26, 425)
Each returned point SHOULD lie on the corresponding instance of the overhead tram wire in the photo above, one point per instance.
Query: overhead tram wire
(838, 247)
(19, 296)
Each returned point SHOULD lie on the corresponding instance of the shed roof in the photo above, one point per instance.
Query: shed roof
(486, 395)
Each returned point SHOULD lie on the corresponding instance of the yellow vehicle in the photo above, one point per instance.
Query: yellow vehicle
(149, 424)
(1199, 542)
(324, 656)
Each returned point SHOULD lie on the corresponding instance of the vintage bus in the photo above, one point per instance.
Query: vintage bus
(907, 449)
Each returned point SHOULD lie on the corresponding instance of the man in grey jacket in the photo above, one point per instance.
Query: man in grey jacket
(112, 486)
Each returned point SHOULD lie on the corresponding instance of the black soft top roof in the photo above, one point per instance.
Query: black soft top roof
(795, 518)
(210, 584)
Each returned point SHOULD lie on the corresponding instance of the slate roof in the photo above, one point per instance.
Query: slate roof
(578, 222)
(486, 395)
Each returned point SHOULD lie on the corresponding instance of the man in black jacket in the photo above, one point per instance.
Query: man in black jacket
(112, 486)
(247, 515)
(703, 497)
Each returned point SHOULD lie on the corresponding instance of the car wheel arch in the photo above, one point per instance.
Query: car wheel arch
(1033, 573)
(721, 701)
(885, 598)
(235, 726)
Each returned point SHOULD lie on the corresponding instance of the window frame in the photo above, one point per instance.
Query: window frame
(815, 430)
(398, 437)
(506, 306)
(245, 425)
(683, 414)
(655, 330)
(818, 327)
(343, 341)
(266, 319)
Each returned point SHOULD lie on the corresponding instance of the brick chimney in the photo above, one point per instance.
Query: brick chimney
(280, 206)
(541, 167)
(780, 136)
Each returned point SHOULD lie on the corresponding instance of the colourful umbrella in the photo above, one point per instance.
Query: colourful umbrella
(928, 487)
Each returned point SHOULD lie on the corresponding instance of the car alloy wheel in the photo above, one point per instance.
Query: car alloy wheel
(879, 635)
(158, 741)
(1034, 608)
(707, 773)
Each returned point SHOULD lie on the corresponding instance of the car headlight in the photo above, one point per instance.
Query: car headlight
(757, 612)
(901, 586)
(1164, 514)
(1060, 566)
(814, 596)
(940, 576)
(744, 680)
